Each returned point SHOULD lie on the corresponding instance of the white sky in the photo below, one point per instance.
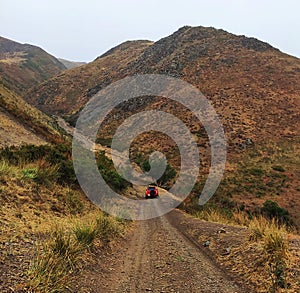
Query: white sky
(81, 30)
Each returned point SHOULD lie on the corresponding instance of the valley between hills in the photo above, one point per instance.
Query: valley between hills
(245, 239)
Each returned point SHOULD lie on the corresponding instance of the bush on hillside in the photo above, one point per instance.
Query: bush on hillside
(272, 210)
(55, 157)
(109, 173)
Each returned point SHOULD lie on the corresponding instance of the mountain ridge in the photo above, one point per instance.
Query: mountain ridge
(23, 66)
(228, 69)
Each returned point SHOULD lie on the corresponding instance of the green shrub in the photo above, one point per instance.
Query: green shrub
(29, 173)
(109, 173)
(146, 166)
(57, 156)
(255, 171)
(272, 210)
(46, 174)
(43, 174)
(276, 247)
(107, 229)
(104, 141)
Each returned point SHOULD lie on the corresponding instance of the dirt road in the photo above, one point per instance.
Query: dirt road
(157, 257)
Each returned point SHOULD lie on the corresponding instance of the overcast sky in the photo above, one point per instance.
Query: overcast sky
(81, 30)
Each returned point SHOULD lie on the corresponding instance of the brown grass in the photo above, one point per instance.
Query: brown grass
(218, 216)
(265, 258)
(47, 231)
(13, 58)
(68, 247)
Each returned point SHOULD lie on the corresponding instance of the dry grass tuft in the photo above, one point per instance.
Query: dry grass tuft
(273, 238)
(5, 169)
(68, 246)
(219, 216)
(270, 257)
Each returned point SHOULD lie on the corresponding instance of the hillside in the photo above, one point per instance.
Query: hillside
(70, 64)
(23, 66)
(243, 78)
(64, 93)
(53, 239)
(253, 87)
(24, 124)
(41, 206)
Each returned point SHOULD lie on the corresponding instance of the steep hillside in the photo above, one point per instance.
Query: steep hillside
(70, 64)
(23, 66)
(24, 124)
(42, 207)
(64, 93)
(253, 87)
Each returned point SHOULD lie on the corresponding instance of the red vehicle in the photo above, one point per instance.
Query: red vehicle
(151, 192)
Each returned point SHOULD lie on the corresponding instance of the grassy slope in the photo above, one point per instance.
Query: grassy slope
(48, 228)
(23, 66)
(263, 172)
(271, 171)
(258, 253)
(24, 123)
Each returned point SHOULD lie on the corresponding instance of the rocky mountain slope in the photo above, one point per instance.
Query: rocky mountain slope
(70, 90)
(253, 87)
(23, 66)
